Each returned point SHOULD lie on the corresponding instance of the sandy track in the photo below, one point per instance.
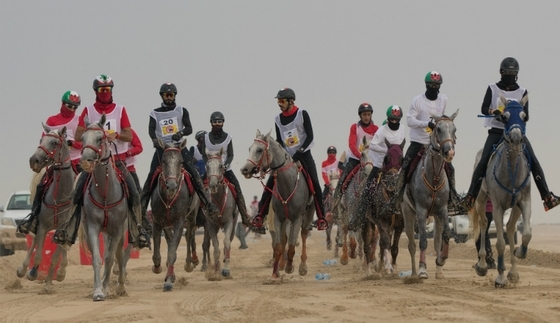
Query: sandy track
(250, 297)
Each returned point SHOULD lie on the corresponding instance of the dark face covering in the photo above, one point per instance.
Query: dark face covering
(393, 126)
(217, 130)
(509, 80)
(432, 92)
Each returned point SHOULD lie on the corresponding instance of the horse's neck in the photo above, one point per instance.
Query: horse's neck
(433, 164)
(514, 161)
(105, 181)
(61, 186)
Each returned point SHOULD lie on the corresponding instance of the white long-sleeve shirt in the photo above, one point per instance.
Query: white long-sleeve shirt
(419, 115)
(378, 147)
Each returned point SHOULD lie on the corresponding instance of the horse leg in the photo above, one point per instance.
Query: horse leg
(344, 257)
(526, 236)
(205, 249)
(409, 219)
(366, 230)
(438, 237)
(61, 273)
(109, 255)
(22, 269)
(421, 222)
(121, 258)
(195, 260)
(513, 275)
(40, 240)
(329, 232)
(481, 267)
(189, 234)
(172, 255)
(228, 233)
(216, 247)
(278, 251)
(497, 214)
(292, 239)
(93, 245)
(284, 241)
(384, 245)
(156, 257)
(55, 259)
(353, 245)
(303, 264)
(395, 245)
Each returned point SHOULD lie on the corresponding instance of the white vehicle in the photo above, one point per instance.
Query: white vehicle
(17, 208)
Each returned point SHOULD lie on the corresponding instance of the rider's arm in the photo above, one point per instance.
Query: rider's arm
(126, 130)
(136, 146)
(81, 126)
(229, 158)
(412, 116)
(278, 136)
(152, 128)
(377, 144)
(485, 108)
(187, 130)
(352, 141)
(526, 107)
(308, 130)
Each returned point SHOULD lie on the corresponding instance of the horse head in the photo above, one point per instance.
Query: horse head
(95, 147)
(366, 165)
(261, 156)
(171, 165)
(443, 137)
(514, 118)
(215, 169)
(392, 164)
(52, 150)
(334, 177)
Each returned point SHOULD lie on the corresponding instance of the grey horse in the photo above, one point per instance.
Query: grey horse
(508, 184)
(173, 208)
(427, 194)
(54, 154)
(223, 198)
(105, 209)
(349, 204)
(291, 202)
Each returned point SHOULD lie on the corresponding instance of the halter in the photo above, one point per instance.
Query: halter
(163, 179)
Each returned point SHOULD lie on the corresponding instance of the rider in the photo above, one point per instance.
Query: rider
(364, 127)
(196, 153)
(508, 87)
(117, 126)
(218, 139)
(169, 123)
(329, 165)
(421, 124)
(66, 118)
(391, 132)
(294, 132)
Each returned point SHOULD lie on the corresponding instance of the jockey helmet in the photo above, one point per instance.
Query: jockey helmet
(364, 107)
(200, 134)
(509, 66)
(72, 98)
(167, 88)
(286, 93)
(394, 112)
(102, 80)
(217, 116)
(433, 77)
(331, 150)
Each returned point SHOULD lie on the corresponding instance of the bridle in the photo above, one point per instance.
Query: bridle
(168, 202)
(433, 136)
(51, 159)
(100, 151)
(260, 167)
(220, 177)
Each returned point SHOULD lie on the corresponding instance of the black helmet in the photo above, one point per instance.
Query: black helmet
(168, 87)
(510, 66)
(217, 116)
(286, 93)
(364, 107)
(101, 81)
(331, 150)
(200, 134)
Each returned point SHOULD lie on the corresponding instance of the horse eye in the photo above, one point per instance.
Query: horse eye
(259, 150)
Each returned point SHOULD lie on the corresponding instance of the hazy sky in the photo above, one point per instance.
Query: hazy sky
(233, 56)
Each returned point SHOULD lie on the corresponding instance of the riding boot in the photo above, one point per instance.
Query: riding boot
(240, 201)
(549, 200)
(209, 206)
(366, 199)
(30, 222)
(454, 197)
(258, 220)
(67, 233)
(321, 220)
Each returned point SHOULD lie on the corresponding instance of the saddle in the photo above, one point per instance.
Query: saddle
(349, 178)
(414, 163)
(186, 175)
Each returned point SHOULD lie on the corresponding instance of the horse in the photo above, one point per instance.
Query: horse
(334, 176)
(292, 201)
(105, 209)
(173, 208)
(508, 184)
(427, 194)
(349, 203)
(222, 195)
(390, 226)
(54, 156)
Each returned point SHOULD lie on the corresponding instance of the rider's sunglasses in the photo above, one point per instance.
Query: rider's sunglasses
(170, 95)
(104, 89)
(70, 106)
(282, 100)
(217, 121)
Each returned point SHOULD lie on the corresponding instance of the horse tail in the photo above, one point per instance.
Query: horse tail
(35, 180)
(474, 222)
(270, 219)
(83, 241)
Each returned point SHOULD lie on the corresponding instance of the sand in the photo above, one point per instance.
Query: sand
(251, 296)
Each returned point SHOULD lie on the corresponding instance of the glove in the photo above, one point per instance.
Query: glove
(431, 125)
(297, 156)
(177, 136)
(69, 143)
(226, 166)
(156, 142)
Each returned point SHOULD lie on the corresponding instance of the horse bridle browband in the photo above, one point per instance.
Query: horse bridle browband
(50, 154)
(98, 150)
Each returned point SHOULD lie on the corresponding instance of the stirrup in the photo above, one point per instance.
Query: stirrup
(550, 202)
(60, 237)
(257, 221)
(322, 224)
(467, 202)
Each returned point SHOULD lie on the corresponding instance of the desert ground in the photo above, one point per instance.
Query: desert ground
(251, 296)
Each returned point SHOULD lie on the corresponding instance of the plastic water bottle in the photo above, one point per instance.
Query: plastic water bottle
(407, 273)
(322, 276)
(329, 262)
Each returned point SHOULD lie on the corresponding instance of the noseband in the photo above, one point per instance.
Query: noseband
(50, 154)
(100, 151)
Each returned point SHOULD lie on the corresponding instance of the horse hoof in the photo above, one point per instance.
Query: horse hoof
(32, 274)
(344, 260)
(60, 276)
(519, 254)
(513, 277)
(21, 271)
(98, 297)
(115, 271)
(423, 275)
(226, 272)
(121, 291)
(289, 268)
(195, 262)
(204, 268)
(302, 269)
(329, 245)
(440, 276)
(156, 270)
(167, 287)
(499, 285)
(189, 267)
(480, 271)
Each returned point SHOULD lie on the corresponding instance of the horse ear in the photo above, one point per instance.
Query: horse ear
(86, 121)
(183, 144)
(101, 122)
(524, 100)
(402, 143)
(161, 144)
(46, 128)
(221, 151)
(258, 133)
(62, 131)
(267, 136)
(503, 100)
(387, 143)
(454, 115)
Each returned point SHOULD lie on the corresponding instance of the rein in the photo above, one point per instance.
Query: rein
(512, 175)
(169, 202)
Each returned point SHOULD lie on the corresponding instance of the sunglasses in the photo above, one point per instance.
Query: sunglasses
(104, 89)
(170, 95)
(70, 106)
(282, 100)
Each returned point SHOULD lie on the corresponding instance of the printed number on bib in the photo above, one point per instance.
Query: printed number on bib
(168, 126)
